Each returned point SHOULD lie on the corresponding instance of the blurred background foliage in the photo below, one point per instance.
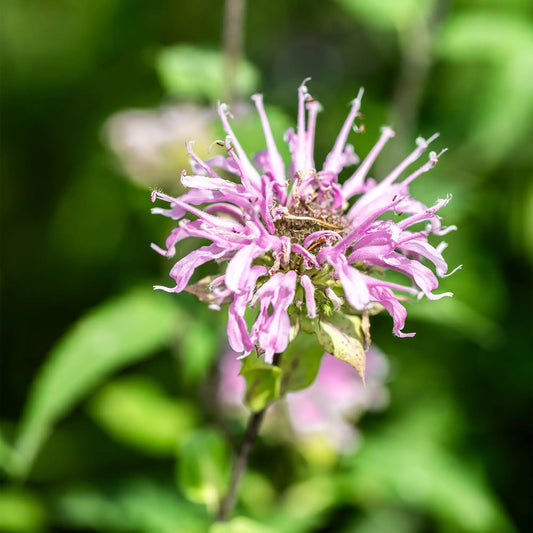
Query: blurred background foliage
(109, 417)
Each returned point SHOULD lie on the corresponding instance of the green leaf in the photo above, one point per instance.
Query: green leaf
(241, 524)
(135, 411)
(6, 452)
(191, 72)
(487, 36)
(203, 468)
(388, 14)
(21, 512)
(411, 463)
(341, 335)
(300, 363)
(115, 334)
(136, 505)
(199, 346)
(263, 382)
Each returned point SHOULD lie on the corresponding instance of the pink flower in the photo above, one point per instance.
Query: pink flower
(298, 240)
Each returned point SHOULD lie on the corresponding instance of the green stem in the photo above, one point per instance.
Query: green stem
(239, 468)
(228, 502)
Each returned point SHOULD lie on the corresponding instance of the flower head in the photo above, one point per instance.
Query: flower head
(296, 241)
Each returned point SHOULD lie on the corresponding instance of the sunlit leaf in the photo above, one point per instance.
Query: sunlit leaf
(487, 36)
(502, 114)
(191, 72)
(21, 512)
(388, 14)
(257, 492)
(203, 467)
(263, 382)
(115, 334)
(135, 411)
(342, 336)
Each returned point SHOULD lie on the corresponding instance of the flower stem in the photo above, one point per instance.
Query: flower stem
(252, 429)
(228, 502)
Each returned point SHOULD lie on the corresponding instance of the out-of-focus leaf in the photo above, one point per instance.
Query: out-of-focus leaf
(484, 36)
(257, 493)
(135, 411)
(241, 524)
(203, 468)
(5, 452)
(521, 220)
(21, 512)
(503, 110)
(388, 14)
(139, 506)
(304, 505)
(385, 521)
(191, 72)
(198, 347)
(409, 464)
(455, 314)
(115, 334)
(27, 40)
(300, 363)
(263, 382)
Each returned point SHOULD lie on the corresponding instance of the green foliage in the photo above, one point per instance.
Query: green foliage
(410, 463)
(298, 368)
(263, 382)
(192, 72)
(203, 468)
(340, 335)
(5, 452)
(21, 512)
(135, 411)
(504, 43)
(200, 346)
(489, 36)
(241, 524)
(458, 316)
(388, 14)
(300, 363)
(137, 505)
(115, 334)
(78, 29)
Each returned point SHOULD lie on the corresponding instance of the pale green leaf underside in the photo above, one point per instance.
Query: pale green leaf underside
(341, 336)
(263, 382)
(193, 72)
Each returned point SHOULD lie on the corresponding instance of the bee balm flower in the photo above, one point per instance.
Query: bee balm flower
(296, 242)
